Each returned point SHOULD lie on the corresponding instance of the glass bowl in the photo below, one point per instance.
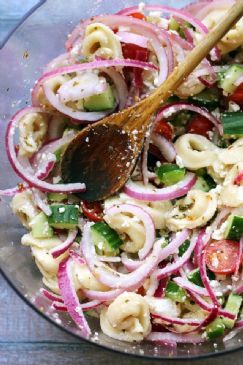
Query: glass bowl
(39, 38)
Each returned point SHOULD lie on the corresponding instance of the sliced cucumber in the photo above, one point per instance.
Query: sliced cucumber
(106, 240)
(183, 248)
(175, 292)
(209, 98)
(201, 184)
(234, 229)
(215, 329)
(99, 102)
(233, 306)
(40, 226)
(195, 277)
(57, 197)
(64, 216)
(233, 124)
(170, 174)
(230, 76)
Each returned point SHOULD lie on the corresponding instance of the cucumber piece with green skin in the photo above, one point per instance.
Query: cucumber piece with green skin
(229, 78)
(201, 184)
(57, 197)
(215, 329)
(175, 292)
(64, 216)
(170, 174)
(106, 240)
(100, 102)
(208, 98)
(195, 277)
(40, 227)
(204, 181)
(234, 229)
(233, 124)
(183, 248)
(233, 306)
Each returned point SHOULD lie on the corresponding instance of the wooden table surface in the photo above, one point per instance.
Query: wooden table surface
(25, 337)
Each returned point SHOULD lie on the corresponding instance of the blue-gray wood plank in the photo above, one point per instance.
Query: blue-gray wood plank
(25, 337)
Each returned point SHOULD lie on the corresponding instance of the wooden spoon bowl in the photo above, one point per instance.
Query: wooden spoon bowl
(104, 154)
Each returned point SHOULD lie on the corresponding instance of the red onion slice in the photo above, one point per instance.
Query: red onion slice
(155, 34)
(98, 64)
(146, 220)
(166, 147)
(41, 201)
(21, 171)
(169, 109)
(51, 296)
(59, 250)
(70, 297)
(167, 337)
(186, 284)
(181, 14)
(170, 249)
(132, 38)
(172, 268)
(85, 306)
(60, 307)
(175, 320)
(76, 257)
(13, 191)
(147, 193)
(134, 279)
(103, 295)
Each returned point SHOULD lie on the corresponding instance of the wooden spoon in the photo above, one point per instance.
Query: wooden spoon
(104, 154)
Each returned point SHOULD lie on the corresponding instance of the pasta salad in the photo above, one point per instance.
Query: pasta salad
(162, 259)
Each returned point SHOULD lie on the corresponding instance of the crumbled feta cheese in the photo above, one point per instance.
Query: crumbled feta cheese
(233, 107)
(179, 161)
(218, 234)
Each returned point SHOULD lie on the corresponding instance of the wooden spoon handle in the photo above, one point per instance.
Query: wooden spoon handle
(181, 72)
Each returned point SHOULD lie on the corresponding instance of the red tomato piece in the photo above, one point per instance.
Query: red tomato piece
(237, 96)
(138, 16)
(134, 52)
(221, 256)
(93, 211)
(199, 125)
(239, 179)
(164, 128)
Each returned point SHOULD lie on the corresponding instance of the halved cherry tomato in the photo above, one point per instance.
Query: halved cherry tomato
(93, 211)
(138, 16)
(164, 128)
(199, 125)
(237, 96)
(221, 256)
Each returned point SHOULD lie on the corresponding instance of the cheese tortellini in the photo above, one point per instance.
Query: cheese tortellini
(195, 210)
(101, 41)
(48, 266)
(195, 151)
(129, 226)
(231, 194)
(233, 39)
(127, 318)
(24, 208)
(84, 279)
(33, 129)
